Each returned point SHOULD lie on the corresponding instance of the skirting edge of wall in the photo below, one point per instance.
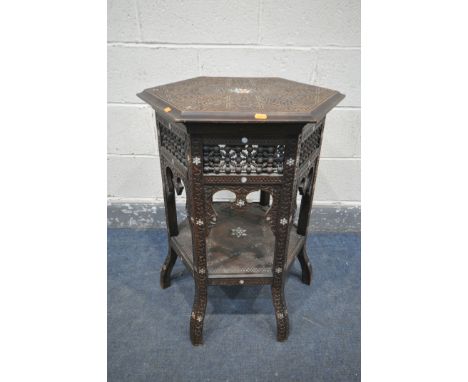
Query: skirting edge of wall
(330, 218)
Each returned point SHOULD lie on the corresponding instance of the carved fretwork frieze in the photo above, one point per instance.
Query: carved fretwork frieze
(174, 140)
(310, 144)
(243, 159)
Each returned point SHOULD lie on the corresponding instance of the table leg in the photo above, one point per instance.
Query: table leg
(281, 312)
(165, 278)
(197, 213)
(171, 221)
(304, 217)
(198, 312)
(284, 216)
(305, 266)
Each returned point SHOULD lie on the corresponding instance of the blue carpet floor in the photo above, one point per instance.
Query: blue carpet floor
(148, 335)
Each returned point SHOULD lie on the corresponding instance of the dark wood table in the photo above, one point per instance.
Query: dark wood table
(255, 137)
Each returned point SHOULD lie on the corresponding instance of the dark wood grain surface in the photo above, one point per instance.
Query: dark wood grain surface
(241, 99)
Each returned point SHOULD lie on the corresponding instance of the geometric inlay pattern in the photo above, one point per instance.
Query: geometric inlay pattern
(309, 146)
(176, 145)
(243, 159)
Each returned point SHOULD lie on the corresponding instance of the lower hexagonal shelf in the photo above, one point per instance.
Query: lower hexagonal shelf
(239, 246)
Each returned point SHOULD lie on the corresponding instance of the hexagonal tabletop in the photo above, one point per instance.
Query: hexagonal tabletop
(239, 99)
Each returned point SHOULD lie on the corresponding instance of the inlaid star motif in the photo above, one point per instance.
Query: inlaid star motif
(240, 203)
(196, 160)
(202, 271)
(290, 162)
(200, 318)
(283, 221)
(278, 270)
(199, 222)
(280, 315)
(238, 232)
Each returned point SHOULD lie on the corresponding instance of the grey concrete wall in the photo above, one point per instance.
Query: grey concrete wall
(157, 42)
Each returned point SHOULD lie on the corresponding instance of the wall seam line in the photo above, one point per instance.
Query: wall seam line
(226, 46)
(138, 19)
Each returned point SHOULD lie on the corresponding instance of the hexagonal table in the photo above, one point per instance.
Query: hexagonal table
(258, 141)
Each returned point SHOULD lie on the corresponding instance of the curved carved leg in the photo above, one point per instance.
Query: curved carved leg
(172, 227)
(305, 266)
(307, 191)
(165, 278)
(198, 313)
(281, 313)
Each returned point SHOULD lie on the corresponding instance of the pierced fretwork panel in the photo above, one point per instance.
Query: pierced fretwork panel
(243, 159)
(176, 144)
(310, 144)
